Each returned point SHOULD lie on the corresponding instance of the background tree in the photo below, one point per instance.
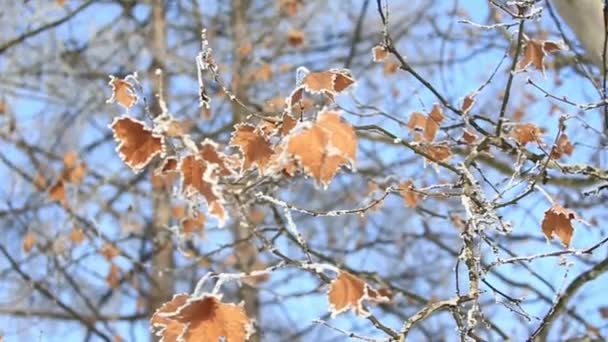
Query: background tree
(368, 170)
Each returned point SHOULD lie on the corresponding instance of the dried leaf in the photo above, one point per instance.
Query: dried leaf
(193, 223)
(563, 147)
(295, 37)
(290, 7)
(199, 177)
(57, 193)
(535, 52)
(558, 222)
(137, 144)
(77, 236)
(348, 292)
(29, 241)
(525, 133)
(204, 318)
(410, 197)
(123, 92)
(379, 53)
(390, 67)
(467, 103)
(468, 137)
(255, 148)
(326, 146)
(113, 277)
(109, 251)
(168, 329)
(210, 154)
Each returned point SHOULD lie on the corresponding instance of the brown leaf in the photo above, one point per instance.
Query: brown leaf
(168, 329)
(123, 92)
(57, 193)
(109, 251)
(290, 7)
(326, 146)
(438, 152)
(244, 49)
(113, 277)
(198, 177)
(468, 137)
(467, 103)
(169, 165)
(379, 53)
(77, 236)
(256, 149)
(558, 222)
(563, 147)
(210, 154)
(410, 197)
(29, 241)
(295, 37)
(390, 67)
(193, 223)
(348, 292)
(333, 81)
(205, 318)
(535, 52)
(137, 144)
(525, 133)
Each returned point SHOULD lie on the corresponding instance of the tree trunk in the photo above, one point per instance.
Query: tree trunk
(162, 283)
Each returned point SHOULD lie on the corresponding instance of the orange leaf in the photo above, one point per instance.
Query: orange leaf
(113, 277)
(348, 292)
(209, 153)
(410, 197)
(77, 236)
(525, 133)
(535, 52)
(109, 251)
(324, 147)
(137, 144)
(201, 319)
(123, 92)
(558, 222)
(379, 53)
(295, 38)
(467, 103)
(29, 241)
(168, 329)
(198, 177)
(195, 222)
(256, 149)
(562, 147)
(57, 193)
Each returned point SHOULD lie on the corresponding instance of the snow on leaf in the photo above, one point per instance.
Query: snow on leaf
(324, 147)
(379, 53)
(123, 92)
(558, 222)
(256, 149)
(349, 292)
(525, 133)
(209, 152)
(205, 318)
(535, 52)
(166, 328)
(467, 103)
(137, 145)
(198, 177)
